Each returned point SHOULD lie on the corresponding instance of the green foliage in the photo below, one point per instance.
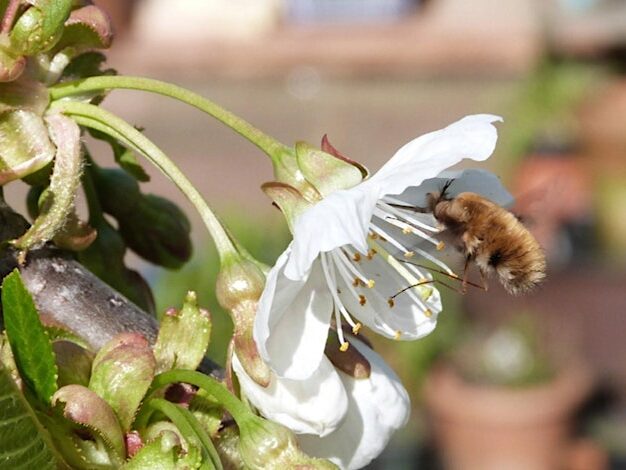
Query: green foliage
(29, 342)
(23, 442)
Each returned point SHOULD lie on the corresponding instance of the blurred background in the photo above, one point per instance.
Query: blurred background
(536, 382)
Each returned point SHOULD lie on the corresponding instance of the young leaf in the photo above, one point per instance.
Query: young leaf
(23, 442)
(30, 345)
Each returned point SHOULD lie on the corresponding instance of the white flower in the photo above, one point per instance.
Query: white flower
(377, 406)
(315, 405)
(343, 258)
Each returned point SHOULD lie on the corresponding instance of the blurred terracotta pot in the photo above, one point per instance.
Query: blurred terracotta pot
(479, 427)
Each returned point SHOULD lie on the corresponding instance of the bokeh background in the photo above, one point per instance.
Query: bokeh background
(373, 74)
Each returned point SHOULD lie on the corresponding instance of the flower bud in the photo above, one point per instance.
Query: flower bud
(183, 336)
(239, 286)
(87, 27)
(227, 446)
(40, 27)
(85, 407)
(265, 445)
(121, 374)
(25, 146)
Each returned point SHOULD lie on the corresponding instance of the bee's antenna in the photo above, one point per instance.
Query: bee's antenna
(451, 276)
(445, 188)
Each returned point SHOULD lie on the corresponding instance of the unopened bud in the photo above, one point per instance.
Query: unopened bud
(239, 287)
(122, 372)
(183, 337)
(73, 363)
(85, 407)
(265, 445)
(40, 27)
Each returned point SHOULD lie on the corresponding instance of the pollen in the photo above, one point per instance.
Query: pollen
(428, 312)
(398, 335)
(362, 300)
(344, 346)
(407, 230)
(356, 328)
(356, 257)
(409, 254)
(441, 245)
(371, 283)
(391, 302)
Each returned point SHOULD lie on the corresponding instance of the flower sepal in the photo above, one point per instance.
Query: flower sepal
(288, 199)
(326, 172)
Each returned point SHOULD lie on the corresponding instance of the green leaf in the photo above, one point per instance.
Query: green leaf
(31, 346)
(24, 444)
(57, 333)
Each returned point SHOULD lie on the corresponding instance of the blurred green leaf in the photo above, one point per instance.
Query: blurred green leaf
(24, 444)
(29, 342)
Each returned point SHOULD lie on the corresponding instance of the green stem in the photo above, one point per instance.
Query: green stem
(274, 149)
(232, 404)
(97, 118)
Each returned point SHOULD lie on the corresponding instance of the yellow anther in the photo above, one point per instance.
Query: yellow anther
(406, 230)
(398, 335)
(371, 283)
(441, 245)
(362, 300)
(356, 257)
(409, 254)
(391, 302)
(356, 282)
(374, 236)
(344, 346)
(423, 281)
(428, 312)
(356, 328)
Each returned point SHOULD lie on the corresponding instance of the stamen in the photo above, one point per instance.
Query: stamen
(441, 245)
(402, 214)
(428, 312)
(344, 260)
(398, 335)
(406, 228)
(336, 255)
(362, 300)
(409, 254)
(356, 256)
(391, 302)
(344, 346)
(356, 328)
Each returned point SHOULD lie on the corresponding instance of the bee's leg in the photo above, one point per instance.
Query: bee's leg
(465, 273)
(483, 281)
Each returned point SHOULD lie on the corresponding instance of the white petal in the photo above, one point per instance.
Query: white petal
(425, 157)
(316, 405)
(292, 321)
(341, 218)
(376, 408)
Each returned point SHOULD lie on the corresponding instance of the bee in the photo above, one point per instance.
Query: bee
(491, 237)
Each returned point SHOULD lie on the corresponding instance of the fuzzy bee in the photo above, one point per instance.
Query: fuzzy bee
(491, 237)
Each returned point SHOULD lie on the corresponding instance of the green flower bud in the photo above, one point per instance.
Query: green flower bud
(183, 336)
(227, 446)
(25, 145)
(121, 374)
(85, 407)
(239, 286)
(265, 445)
(40, 27)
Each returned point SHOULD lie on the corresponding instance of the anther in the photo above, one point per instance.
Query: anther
(356, 328)
(441, 245)
(391, 302)
(407, 230)
(362, 299)
(428, 312)
(344, 346)
(371, 283)
(398, 335)
(356, 282)
(409, 254)
(356, 256)
(374, 236)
